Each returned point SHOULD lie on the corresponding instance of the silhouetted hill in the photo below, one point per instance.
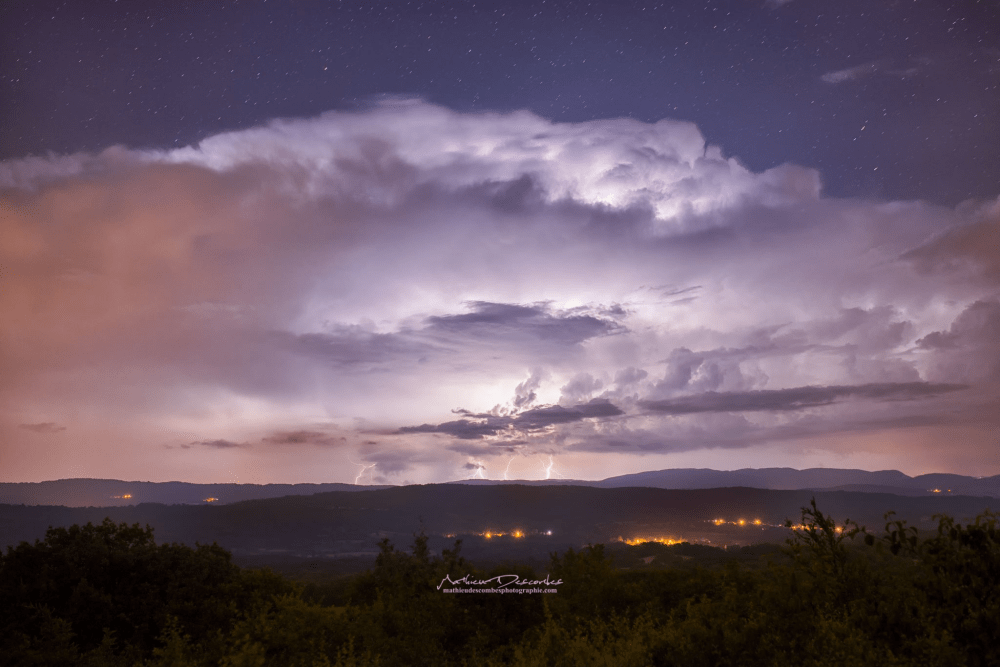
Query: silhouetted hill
(117, 493)
(546, 518)
(813, 478)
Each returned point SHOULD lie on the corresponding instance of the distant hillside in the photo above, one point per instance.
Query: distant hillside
(890, 481)
(116, 493)
(522, 520)
(784, 479)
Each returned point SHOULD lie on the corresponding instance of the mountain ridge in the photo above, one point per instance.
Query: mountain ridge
(87, 492)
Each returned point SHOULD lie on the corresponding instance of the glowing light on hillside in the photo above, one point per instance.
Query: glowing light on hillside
(644, 540)
(210, 500)
(517, 533)
(742, 523)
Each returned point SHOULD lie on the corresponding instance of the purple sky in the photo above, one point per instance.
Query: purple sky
(437, 283)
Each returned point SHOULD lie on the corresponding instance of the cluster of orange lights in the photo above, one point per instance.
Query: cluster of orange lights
(124, 496)
(517, 533)
(799, 526)
(738, 522)
(490, 534)
(210, 500)
(659, 540)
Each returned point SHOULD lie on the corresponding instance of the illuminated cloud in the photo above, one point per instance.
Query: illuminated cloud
(878, 67)
(459, 286)
(851, 73)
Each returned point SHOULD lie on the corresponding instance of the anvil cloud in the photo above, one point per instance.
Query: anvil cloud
(316, 298)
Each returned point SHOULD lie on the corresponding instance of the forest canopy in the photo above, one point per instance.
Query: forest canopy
(836, 594)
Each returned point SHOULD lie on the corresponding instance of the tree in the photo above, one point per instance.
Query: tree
(111, 588)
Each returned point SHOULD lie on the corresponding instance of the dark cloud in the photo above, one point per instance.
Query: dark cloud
(302, 437)
(796, 398)
(486, 449)
(503, 320)
(970, 348)
(977, 324)
(44, 427)
(216, 444)
(357, 348)
(464, 429)
(535, 419)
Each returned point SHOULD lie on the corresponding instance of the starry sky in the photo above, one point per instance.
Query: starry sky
(411, 242)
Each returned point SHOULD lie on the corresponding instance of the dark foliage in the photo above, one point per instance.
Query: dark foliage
(837, 594)
(90, 588)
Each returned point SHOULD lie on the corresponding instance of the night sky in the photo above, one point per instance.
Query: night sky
(419, 241)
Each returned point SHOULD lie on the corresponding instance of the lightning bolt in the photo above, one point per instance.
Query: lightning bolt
(549, 471)
(479, 470)
(508, 467)
(364, 467)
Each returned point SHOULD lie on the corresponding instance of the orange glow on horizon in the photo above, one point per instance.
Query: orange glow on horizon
(644, 540)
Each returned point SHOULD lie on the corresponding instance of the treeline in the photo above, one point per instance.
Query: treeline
(838, 595)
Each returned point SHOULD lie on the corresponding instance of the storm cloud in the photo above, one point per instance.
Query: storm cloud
(795, 398)
(462, 285)
(475, 426)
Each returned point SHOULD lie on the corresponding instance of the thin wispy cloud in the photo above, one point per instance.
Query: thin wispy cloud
(217, 444)
(884, 68)
(42, 427)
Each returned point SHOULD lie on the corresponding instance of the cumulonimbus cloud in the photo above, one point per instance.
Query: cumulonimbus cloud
(567, 283)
